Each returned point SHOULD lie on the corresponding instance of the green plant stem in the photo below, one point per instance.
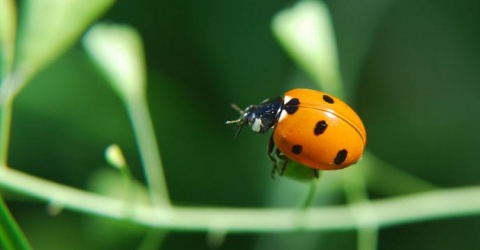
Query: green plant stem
(400, 210)
(149, 151)
(5, 123)
(10, 235)
(7, 49)
(355, 187)
(312, 189)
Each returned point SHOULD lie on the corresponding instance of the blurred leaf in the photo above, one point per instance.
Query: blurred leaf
(298, 172)
(47, 29)
(118, 52)
(111, 183)
(11, 236)
(306, 32)
(8, 25)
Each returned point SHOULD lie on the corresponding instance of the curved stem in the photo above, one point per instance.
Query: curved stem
(355, 187)
(392, 211)
(307, 203)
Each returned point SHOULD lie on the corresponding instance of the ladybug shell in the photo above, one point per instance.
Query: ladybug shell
(319, 130)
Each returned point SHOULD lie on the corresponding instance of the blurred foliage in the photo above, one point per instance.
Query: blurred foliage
(410, 70)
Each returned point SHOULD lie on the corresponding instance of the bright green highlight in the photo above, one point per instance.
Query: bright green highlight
(118, 51)
(306, 32)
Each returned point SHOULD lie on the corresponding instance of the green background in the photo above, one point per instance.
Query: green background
(411, 70)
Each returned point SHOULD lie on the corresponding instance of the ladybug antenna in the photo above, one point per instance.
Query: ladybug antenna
(238, 121)
(234, 106)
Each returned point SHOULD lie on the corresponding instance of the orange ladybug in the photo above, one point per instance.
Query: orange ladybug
(311, 127)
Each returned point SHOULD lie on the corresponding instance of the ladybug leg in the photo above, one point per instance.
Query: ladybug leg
(316, 174)
(271, 147)
(277, 157)
(274, 172)
(284, 160)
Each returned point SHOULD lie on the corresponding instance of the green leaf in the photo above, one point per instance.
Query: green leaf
(306, 32)
(118, 52)
(47, 29)
(11, 236)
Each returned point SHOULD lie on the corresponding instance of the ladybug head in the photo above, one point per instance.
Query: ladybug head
(260, 117)
(245, 118)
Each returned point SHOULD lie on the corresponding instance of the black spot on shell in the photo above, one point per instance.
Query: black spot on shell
(320, 127)
(297, 149)
(293, 102)
(328, 99)
(341, 156)
(292, 106)
(291, 110)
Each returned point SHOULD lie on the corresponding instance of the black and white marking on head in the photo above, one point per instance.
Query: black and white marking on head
(257, 125)
(297, 149)
(261, 117)
(341, 157)
(328, 99)
(320, 127)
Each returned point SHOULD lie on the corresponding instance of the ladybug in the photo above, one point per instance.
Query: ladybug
(311, 127)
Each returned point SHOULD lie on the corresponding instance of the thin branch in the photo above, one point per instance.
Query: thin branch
(438, 204)
(5, 123)
(149, 151)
